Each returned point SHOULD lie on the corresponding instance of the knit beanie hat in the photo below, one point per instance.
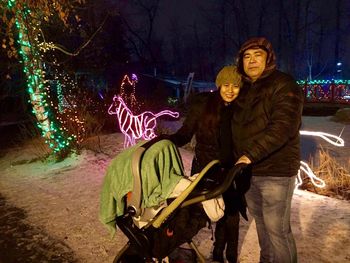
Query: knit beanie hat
(228, 74)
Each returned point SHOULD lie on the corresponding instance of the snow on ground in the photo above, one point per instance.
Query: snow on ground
(61, 200)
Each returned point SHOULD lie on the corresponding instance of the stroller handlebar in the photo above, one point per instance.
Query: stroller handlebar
(232, 173)
(218, 190)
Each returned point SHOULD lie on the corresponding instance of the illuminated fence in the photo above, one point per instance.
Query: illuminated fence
(331, 91)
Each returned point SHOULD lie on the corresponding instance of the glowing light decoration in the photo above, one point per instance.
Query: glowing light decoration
(324, 81)
(136, 127)
(318, 182)
(304, 167)
(62, 102)
(65, 108)
(129, 96)
(54, 121)
(28, 35)
(326, 136)
(334, 90)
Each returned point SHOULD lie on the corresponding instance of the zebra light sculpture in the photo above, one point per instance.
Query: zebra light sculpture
(135, 127)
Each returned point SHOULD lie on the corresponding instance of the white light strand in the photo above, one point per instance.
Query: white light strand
(318, 182)
(326, 136)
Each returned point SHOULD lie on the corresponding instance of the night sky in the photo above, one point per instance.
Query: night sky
(309, 37)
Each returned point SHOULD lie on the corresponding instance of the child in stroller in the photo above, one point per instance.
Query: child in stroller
(137, 197)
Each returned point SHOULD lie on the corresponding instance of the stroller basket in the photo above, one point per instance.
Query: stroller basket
(150, 241)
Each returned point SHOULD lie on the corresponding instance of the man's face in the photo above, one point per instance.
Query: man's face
(229, 91)
(254, 62)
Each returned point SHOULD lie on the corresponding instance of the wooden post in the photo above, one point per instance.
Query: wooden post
(188, 87)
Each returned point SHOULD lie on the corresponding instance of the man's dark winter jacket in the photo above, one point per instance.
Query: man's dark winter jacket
(266, 124)
(268, 117)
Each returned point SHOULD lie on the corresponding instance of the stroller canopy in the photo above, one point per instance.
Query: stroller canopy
(161, 170)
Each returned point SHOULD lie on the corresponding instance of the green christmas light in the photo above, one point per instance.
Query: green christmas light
(324, 81)
(57, 139)
(334, 90)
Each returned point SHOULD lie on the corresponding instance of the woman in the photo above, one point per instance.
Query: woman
(209, 119)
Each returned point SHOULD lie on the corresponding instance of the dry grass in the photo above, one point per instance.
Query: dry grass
(29, 133)
(336, 177)
(342, 116)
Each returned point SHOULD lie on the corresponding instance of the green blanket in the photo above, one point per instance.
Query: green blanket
(162, 160)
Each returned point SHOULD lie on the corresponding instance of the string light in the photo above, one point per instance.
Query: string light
(136, 127)
(324, 81)
(130, 99)
(66, 108)
(335, 90)
(38, 87)
(172, 101)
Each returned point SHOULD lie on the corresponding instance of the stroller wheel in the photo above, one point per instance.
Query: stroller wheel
(128, 255)
(130, 259)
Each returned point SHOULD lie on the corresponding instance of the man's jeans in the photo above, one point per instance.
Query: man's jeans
(269, 202)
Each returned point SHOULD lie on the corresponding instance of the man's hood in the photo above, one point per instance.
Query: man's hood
(258, 42)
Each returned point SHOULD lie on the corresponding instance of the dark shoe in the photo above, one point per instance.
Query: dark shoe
(231, 252)
(218, 255)
(231, 260)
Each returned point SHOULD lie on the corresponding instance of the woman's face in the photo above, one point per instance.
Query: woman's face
(229, 91)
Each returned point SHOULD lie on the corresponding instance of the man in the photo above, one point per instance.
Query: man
(266, 126)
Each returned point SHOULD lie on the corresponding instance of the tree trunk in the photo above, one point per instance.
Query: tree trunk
(35, 79)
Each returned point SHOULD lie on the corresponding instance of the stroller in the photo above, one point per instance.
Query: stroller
(154, 232)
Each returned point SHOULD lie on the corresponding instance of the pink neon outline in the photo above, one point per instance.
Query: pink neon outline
(136, 127)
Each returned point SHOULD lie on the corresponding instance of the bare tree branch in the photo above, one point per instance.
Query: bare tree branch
(46, 45)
